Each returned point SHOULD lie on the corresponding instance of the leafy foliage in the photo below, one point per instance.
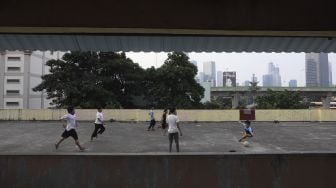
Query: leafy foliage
(173, 84)
(280, 100)
(111, 80)
(90, 79)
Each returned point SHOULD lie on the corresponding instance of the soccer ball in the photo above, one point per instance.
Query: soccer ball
(246, 143)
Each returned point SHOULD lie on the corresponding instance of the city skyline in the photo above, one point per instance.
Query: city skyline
(292, 65)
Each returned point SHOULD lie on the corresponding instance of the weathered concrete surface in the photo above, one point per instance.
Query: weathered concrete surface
(161, 171)
(39, 137)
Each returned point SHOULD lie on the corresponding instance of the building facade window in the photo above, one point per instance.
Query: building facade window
(13, 81)
(13, 58)
(12, 104)
(13, 69)
(12, 92)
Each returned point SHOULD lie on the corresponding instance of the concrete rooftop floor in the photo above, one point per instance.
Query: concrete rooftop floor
(35, 137)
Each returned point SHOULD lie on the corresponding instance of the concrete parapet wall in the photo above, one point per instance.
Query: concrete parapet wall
(161, 171)
(184, 115)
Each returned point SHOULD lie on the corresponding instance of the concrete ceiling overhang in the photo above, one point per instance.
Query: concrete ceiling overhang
(152, 25)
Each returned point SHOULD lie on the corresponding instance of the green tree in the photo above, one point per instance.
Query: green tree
(253, 88)
(91, 79)
(281, 100)
(173, 84)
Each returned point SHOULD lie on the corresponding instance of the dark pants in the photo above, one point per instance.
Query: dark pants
(174, 136)
(151, 124)
(99, 129)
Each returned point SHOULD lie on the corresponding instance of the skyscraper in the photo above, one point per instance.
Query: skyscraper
(318, 72)
(209, 69)
(268, 80)
(219, 79)
(272, 78)
(292, 83)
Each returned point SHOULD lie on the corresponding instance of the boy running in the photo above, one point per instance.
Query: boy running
(248, 130)
(173, 129)
(70, 128)
(99, 124)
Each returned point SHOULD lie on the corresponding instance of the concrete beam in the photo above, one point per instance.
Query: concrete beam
(225, 17)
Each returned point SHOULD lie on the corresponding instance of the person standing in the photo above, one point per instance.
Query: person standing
(152, 120)
(99, 124)
(173, 129)
(164, 122)
(70, 128)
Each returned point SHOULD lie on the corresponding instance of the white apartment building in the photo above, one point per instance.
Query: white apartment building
(20, 72)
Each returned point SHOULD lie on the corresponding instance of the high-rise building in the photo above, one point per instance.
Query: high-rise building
(318, 72)
(19, 73)
(268, 80)
(209, 69)
(201, 77)
(219, 79)
(207, 91)
(292, 83)
(229, 79)
(272, 78)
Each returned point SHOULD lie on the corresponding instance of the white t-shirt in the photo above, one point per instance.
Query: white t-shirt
(100, 116)
(151, 115)
(172, 121)
(71, 121)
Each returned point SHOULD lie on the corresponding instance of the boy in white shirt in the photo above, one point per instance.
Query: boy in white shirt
(99, 124)
(70, 128)
(173, 129)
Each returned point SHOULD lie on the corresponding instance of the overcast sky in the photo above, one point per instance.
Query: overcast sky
(292, 65)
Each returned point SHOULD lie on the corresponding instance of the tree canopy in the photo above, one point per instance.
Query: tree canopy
(111, 80)
(174, 84)
(280, 100)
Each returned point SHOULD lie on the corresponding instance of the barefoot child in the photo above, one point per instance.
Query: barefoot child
(248, 130)
(70, 128)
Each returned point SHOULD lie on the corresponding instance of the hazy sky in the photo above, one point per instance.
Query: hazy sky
(292, 65)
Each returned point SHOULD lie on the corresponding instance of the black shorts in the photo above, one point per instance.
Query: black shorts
(71, 133)
(248, 132)
(152, 122)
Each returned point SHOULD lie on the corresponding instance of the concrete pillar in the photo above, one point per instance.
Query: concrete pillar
(2, 78)
(235, 101)
(26, 81)
(326, 101)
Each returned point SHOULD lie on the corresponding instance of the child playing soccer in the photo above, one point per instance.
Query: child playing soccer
(70, 128)
(99, 124)
(248, 130)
